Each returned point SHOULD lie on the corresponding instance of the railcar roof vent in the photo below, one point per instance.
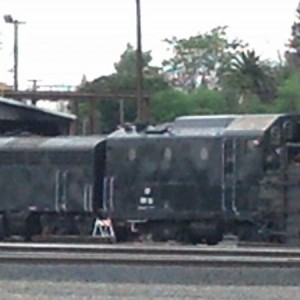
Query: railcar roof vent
(158, 131)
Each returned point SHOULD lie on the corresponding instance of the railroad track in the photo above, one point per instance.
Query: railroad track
(148, 255)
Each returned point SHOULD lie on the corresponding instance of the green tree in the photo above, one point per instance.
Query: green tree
(206, 102)
(293, 54)
(199, 60)
(123, 81)
(167, 105)
(289, 89)
(250, 76)
(289, 95)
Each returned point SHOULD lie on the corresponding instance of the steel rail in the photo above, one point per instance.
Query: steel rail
(147, 260)
(138, 249)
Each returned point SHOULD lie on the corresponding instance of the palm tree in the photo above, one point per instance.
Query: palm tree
(251, 76)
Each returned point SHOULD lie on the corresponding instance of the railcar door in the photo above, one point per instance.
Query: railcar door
(108, 193)
(229, 175)
(61, 178)
(121, 177)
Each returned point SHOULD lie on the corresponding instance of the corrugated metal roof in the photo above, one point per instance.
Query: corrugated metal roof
(20, 104)
(53, 143)
(198, 131)
(212, 125)
(211, 121)
(251, 124)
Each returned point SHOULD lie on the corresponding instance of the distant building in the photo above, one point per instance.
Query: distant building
(4, 87)
(18, 118)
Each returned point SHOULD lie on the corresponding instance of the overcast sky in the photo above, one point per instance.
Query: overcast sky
(64, 39)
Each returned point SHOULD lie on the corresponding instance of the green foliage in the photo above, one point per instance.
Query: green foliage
(207, 74)
(289, 95)
(167, 105)
(249, 75)
(253, 105)
(123, 81)
(293, 54)
(199, 59)
(205, 101)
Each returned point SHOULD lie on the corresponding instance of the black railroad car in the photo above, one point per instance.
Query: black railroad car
(208, 175)
(262, 176)
(167, 185)
(46, 182)
(193, 180)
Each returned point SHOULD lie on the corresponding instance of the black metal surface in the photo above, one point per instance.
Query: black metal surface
(50, 174)
(165, 177)
(247, 173)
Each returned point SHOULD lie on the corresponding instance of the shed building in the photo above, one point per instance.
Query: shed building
(18, 118)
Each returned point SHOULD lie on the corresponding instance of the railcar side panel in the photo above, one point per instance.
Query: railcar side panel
(165, 177)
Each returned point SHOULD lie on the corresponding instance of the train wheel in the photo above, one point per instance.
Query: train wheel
(123, 234)
(32, 226)
(163, 232)
(214, 239)
(205, 232)
(247, 232)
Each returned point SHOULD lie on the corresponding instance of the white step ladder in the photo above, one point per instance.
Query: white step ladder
(104, 228)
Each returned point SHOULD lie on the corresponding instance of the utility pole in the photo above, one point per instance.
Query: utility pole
(16, 55)
(34, 89)
(142, 105)
(121, 112)
(16, 23)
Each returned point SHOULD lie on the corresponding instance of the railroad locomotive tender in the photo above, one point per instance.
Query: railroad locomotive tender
(194, 181)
